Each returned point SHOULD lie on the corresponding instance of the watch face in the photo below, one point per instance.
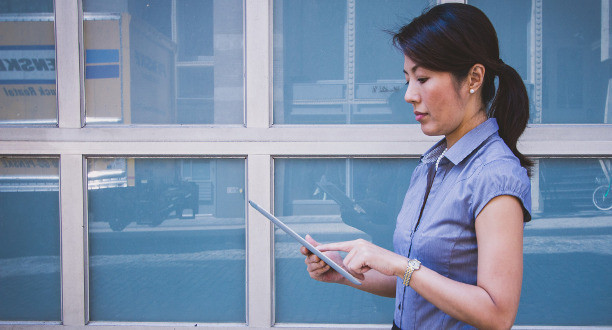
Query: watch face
(415, 264)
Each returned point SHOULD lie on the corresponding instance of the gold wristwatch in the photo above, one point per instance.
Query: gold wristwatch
(413, 265)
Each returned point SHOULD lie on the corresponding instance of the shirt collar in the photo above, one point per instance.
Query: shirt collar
(465, 146)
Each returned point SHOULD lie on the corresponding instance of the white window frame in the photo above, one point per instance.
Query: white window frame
(258, 141)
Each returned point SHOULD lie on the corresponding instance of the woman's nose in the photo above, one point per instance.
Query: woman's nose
(411, 95)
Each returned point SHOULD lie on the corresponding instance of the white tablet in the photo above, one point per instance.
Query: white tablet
(304, 242)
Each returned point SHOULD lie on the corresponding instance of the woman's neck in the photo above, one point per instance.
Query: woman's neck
(466, 126)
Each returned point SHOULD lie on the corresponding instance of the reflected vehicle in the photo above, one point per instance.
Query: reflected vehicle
(146, 203)
(149, 191)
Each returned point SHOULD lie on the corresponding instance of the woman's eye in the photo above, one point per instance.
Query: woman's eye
(422, 80)
(407, 83)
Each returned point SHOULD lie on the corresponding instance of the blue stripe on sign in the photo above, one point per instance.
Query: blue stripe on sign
(27, 81)
(26, 47)
(101, 71)
(101, 56)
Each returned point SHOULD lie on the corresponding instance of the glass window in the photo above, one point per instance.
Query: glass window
(334, 62)
(27, 63)
(29, 240)
(166, 239)
(561, 49)
(308, 197)
(568, 245)
(164, 62)
(571, 229)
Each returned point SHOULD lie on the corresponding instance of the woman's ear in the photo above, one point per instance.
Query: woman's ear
(475, 77)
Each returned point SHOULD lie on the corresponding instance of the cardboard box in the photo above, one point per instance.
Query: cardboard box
(129, 72)
(27, 73)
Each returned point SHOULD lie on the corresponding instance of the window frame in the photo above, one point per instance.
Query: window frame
(258, 141)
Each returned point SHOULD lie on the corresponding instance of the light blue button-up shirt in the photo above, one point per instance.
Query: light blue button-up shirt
(438, 228)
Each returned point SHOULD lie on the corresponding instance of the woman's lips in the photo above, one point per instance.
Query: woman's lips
(419, 115)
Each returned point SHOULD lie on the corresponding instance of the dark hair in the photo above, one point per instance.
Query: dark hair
(452, 38)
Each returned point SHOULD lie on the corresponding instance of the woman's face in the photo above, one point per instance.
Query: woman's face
(439, 104)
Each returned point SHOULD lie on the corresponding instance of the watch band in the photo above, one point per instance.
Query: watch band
(409, 270)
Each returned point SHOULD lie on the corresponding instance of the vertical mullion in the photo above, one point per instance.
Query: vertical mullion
(67, 56)
(258, 58)
(69, 72)
(258, 85)
(72, 240)
(259, 243)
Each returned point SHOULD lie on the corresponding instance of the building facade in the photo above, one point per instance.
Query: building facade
(133, 133)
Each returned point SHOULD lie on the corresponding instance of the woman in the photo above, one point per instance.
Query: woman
(459, 236)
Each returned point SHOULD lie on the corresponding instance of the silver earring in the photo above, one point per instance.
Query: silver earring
(472, 91)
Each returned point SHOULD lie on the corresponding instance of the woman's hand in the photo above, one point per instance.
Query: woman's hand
(363, 256)
(373, 282)
(317, 268)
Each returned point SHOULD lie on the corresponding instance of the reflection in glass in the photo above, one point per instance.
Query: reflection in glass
(576, 75)
(27, 63)
(29, 240)
(334, 62)
(166, 239)
(334, 200)
(571, 229)
(561, 49)
(568, 245)
(164, 62)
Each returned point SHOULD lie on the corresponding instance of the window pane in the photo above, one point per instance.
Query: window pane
(198, 28)
(568, 245)
(303, 199)
(334, 62)
(29, 240)
(196, 102)
(164, 62)
(166, 241)
(27, 63)
(561, 48)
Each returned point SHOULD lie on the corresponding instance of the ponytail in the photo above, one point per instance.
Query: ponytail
(510, 107)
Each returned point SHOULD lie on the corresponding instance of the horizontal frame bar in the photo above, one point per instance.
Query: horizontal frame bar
(351, 140)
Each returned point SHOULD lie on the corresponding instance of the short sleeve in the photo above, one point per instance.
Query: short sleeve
(501, 177)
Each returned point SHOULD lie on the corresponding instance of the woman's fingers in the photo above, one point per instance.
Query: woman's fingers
(360, 258)
(358, 276)
(359, 252)
(310, 240)
(314, 263)
(313, 258)
(315, 266)
(318, 269)
(356, 263)
(339, 246)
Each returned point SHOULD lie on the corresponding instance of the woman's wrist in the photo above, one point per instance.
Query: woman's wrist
(400, 269)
